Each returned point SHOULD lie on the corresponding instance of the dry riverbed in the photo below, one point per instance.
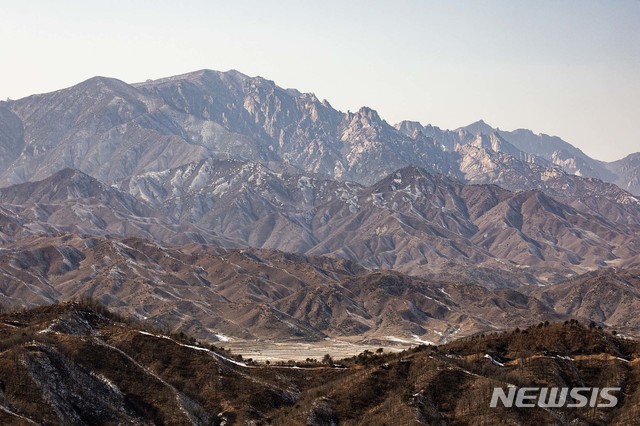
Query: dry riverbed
(262, 350)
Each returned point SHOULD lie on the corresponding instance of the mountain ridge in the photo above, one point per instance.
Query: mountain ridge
(52, 357)
(208, 113)
(412, 221)
(224, 205)
(247, 294)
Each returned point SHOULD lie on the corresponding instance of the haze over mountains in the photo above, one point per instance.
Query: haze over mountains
(167, 168)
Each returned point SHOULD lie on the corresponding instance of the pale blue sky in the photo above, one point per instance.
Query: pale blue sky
(569, 68)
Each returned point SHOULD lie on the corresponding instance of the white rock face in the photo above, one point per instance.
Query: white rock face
(627, 171)
(112, 130)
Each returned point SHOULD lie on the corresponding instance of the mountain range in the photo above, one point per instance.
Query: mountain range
(166, 123)
(411, 221)
(220, 294)
(222, 204)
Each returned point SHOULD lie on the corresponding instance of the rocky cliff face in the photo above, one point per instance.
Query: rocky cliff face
(627, 171)
(111, 130)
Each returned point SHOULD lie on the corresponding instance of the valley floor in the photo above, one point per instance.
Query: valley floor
(273, 351)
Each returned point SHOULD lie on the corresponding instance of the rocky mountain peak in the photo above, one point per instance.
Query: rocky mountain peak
(627, 171)
(101, 88)
(122, 130)
(366, 115)
(479, 127)
(408, 127)
(59, 186)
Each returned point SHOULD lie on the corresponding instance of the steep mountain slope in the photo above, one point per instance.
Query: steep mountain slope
(490, 159)
(78, 364)
(250, 294)
(10, 225)
(298, 129)
(628, 172)
(112, 130)
(71, 201)
(552, 148)
(75, 364)
(410, 221)
(242, 200)
(11, 138)
(607, 296)
(469, 222)
(99, 126)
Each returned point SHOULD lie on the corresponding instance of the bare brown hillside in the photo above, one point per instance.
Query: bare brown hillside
(216, 294)
(79, 364)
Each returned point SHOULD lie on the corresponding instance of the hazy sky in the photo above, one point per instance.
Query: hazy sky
(568, 68)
